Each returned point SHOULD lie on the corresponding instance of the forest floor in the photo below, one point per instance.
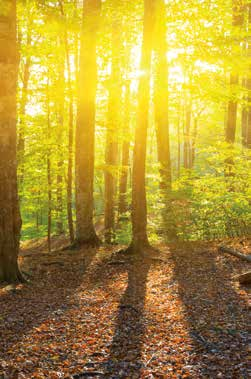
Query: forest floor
(86, 314)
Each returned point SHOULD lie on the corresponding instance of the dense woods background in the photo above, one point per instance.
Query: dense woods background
(199, 133)
(125, 123)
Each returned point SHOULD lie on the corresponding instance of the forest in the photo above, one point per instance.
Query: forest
(125, 189)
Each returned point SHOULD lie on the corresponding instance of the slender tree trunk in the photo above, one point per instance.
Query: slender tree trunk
(139, 206)
(123, 206)
(237, 21)
(60, 130)
(85, 131)
(232, 113)
(231, 120)
(22, 112)
(69, 172)
(193, 142)
(70, 132)
(244, 118)
(187, 137)
(248, 130)
(49, 180)
(179, 140)
(10, 220)
(111, 153)
(161, 97)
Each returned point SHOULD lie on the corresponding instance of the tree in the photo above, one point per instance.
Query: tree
(246, 112)
(113, 120)
(10, 220)
(85, 130)
(123, 206)
(161, 97)
(237, 22)
(23, 101)
(139, 205)
(60, 130)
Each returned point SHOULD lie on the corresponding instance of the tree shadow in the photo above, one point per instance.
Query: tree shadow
(125, 351)
(51, 294)
(215, 314)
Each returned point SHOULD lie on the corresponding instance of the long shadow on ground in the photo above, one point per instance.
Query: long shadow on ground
(49, 295)
(216, 316)
(125, 352)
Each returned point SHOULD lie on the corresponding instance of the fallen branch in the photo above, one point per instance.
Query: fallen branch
(244, 278)
(88, 374)
(116, 262)
(236, 253)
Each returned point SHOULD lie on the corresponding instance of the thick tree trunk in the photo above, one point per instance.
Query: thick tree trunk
(85, 130)
(161, 97)
(123, 206)
(10, 220)
(139, 206)
(111, 152)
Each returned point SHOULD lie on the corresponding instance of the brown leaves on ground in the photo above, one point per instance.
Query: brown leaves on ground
(182, 316)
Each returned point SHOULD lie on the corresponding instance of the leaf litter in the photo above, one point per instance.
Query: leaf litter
(181, 316)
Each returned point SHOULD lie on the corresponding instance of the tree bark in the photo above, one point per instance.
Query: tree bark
(60, 130)
(85, 130)
(70, 131)
(10, 220)
(237, 21)
(49, 179)
(232, 112)
(231, 119)
(22, 110)
(161, 97)
(139, 206)
(187, 136)
(123, 206)
(111, 153)
(235, 253)
(248, 82)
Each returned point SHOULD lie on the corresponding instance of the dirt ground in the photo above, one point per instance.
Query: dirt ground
(91, 314)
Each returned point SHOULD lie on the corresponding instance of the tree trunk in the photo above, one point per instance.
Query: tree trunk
(10, 220)
(187, 136)
(139, 206)
(193, 142)
(179, 139)
(49, 180)
(237, 21)
(123, 206)
(60, 129)
(70, 132)
(111, 153)
(231, 121)
(85, 130)
(248, 130)
(161, 97)
(22, 111)
(232, 112)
